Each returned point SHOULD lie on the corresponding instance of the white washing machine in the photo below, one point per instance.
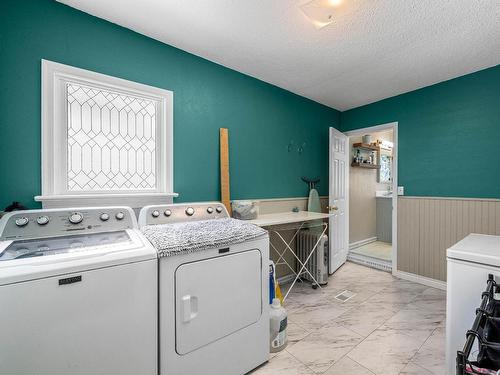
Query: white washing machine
(469, 263)
(213, 302)
(78, 293)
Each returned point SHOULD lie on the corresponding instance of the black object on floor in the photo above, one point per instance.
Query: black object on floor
(486, 330)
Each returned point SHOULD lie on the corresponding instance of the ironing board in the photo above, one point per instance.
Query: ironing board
(293, 221)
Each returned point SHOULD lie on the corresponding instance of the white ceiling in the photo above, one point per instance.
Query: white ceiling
(375, 48)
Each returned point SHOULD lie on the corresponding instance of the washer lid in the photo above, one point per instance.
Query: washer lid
(22, 260)
(477, 248)
(79, 243)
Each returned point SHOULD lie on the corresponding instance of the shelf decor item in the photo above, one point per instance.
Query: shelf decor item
(367, 139)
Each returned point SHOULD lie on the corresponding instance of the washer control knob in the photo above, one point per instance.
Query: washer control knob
(75, 218)
(104, 216)
(210, 210)
(22, 221)
(120, 215)
(190, 211)
(167, 213)
(155, 213)
(42, 220)
(218, 209)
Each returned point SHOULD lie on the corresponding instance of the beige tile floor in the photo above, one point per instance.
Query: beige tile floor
(377, 249)
(389, 327)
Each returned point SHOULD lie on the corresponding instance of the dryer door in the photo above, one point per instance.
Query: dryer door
(216, 297)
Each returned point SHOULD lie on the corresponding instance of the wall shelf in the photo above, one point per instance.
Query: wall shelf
(366, 146)
(365, 165)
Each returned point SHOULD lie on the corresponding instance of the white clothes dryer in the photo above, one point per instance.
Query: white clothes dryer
(213, 289)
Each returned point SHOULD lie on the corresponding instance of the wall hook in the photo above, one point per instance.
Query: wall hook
(300, 149)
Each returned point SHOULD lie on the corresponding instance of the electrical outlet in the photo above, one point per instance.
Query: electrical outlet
(401, 190)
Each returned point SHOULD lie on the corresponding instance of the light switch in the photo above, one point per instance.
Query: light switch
(401, 190)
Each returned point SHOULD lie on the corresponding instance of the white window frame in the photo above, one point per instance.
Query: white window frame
(55, 193)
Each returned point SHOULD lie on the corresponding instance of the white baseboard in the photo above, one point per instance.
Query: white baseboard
(438, 284)
(362, 242)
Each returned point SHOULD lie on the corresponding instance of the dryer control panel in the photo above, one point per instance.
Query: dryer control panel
(181, 212)
(65, 221)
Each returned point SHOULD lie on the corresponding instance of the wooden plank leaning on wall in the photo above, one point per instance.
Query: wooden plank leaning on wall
(224, 169)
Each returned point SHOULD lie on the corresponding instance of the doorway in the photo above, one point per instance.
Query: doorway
(372, 185)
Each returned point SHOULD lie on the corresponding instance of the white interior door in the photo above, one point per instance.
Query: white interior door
(338, 202)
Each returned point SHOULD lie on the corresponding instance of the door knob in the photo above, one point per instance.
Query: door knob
(332, 208)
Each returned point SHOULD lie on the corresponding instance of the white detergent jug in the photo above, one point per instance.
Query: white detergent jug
(278, 325)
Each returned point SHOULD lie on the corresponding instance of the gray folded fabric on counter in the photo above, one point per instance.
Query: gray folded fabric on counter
(188, 237)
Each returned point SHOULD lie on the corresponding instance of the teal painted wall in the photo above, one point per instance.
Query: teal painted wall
(449, 135)
(261, 118)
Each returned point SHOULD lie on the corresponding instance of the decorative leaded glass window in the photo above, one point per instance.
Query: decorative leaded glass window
(104, 139)
(111, 140)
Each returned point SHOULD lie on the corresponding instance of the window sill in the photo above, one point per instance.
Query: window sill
(135, 200)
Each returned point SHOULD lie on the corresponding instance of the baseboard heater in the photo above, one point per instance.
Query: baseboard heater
(318, 262)
(368, 261)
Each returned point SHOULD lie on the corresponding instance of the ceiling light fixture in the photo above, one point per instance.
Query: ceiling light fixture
(320, 12)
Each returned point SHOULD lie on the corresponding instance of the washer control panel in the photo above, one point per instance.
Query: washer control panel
(182, 212)
(62, 221)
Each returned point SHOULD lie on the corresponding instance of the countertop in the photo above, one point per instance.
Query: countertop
(278, 218)
(383, 194)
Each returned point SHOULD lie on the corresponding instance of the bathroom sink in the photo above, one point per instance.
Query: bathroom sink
(383, 194)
